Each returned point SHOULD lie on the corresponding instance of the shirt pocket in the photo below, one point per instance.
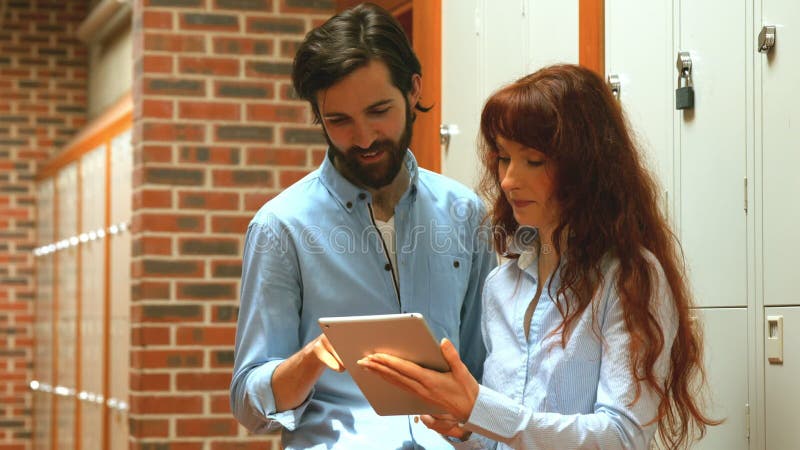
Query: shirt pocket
(448, 277)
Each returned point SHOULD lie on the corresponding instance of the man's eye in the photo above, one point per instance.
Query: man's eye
(535, 163)
(503, 159)
(337, 121)
(379, 112)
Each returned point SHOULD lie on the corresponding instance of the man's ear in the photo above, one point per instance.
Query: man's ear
(416, 90)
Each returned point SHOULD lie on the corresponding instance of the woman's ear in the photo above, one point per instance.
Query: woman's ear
(416, 90)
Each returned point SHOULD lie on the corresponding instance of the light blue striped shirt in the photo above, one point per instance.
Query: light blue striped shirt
(314, 251)
(538, 395)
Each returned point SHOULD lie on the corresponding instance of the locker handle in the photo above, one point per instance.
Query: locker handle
(766, 38)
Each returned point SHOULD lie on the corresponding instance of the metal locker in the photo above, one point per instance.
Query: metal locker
(638, 53)
(778, 121)
(782, 396)
(725, 335)
(711, 158)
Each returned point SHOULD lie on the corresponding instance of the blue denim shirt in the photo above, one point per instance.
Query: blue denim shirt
(313, 251)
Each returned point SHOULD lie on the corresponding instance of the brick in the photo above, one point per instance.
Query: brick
(326, 7)
(242, 46)
(268, 69)
(168, 313)
(148, 428)
(159, 268)
(174, 87)
(209, 246)
(222, 358)
(303, 136)
(157, 64)
(242, 89)
(215, 155)
(208, 381)
(206, 291)
(226, 269)
(207, 336)
(221, 404)
(276, 25)
(175, 43)
(165, 404)
(171, 444)
(244, 5)
(277, 113)
(254, 200)
(289, 48)
(209, 22)
(152, 198)
(151, 245)
(199, 427)
(156, 153)
(150, 336)
(151, 290)
(242, 178)
(230, 224)
(149, 381)
(173, 132)
(208, 200)
(244, 133)
(289, 177)
(209, 66)
(173, 176)
(157, 109)
(209, 111)
(176, 3)
(275, 156)
(288, 93)
(157, 20)
(166, 359)
(250, 444)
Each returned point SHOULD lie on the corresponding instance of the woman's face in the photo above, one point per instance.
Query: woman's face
(526, 179)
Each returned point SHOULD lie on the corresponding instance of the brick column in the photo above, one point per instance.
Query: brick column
(217, 132)
(42, 104)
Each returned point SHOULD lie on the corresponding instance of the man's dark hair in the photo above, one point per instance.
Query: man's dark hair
(348, 41)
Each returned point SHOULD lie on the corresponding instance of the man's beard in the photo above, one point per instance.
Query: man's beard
(380, 174)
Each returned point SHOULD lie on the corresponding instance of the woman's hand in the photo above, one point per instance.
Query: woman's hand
(454, 391)
(445, 424)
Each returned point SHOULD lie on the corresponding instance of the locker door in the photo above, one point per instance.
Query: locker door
(121, 194)
(43, 360)
(780, 152)
(639, 51)
(67, 297)
(93, 171)
(712, 150)
(725, 331)
(782, 396)
(461, 100)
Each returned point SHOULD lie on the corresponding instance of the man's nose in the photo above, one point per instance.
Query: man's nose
(363, 135)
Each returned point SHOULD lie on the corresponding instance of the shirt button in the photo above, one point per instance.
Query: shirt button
(362, 196)
(456, 264)
(349, 205)
(387, 267)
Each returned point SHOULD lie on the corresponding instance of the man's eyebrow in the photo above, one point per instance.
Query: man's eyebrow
(378, 104)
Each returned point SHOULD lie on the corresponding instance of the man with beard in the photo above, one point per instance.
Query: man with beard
(368, 232)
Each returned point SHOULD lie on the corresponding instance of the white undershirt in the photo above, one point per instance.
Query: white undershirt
(388, 234)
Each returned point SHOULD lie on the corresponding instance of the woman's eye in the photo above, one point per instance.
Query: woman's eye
(503, 159)
(535, 163)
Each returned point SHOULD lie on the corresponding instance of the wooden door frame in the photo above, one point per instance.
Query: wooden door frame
(591, 35)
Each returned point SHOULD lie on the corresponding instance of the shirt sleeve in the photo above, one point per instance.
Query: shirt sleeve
(267, 330)
(614, 422)
(472, 349)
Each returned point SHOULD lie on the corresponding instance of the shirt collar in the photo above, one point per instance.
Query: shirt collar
(348, 194)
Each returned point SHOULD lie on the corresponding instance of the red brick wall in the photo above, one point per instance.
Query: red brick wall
(217, 132)
(42, 103)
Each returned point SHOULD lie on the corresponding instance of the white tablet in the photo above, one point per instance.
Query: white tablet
(406, 336)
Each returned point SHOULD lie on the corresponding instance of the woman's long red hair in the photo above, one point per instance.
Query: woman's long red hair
(609, 207)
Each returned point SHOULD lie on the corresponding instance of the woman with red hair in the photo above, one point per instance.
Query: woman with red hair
(587, 326)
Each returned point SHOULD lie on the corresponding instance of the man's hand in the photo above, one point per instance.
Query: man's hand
(324, 351)
(294, 378)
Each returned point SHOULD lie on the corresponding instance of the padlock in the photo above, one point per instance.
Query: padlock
(684, 96)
